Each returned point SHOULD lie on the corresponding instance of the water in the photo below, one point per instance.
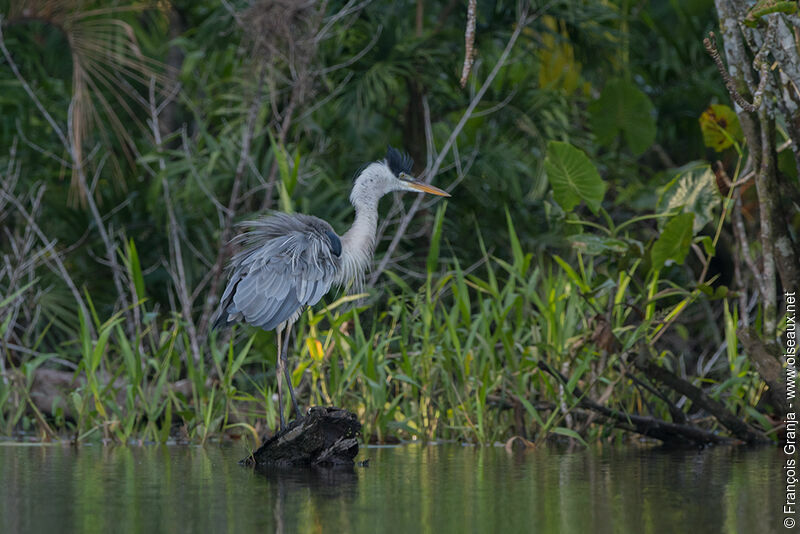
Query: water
(409, 489)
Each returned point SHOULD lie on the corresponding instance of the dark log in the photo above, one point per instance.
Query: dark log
(669, 433)
(324, 437)
(738, 427)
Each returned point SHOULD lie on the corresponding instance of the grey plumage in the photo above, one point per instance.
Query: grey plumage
(291, 261)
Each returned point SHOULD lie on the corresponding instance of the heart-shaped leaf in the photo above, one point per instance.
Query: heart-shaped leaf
(693, 189)
(720, 127)
(623, 109)
(673, 243)
(573, 177)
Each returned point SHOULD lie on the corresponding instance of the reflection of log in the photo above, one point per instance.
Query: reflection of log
(324, 437)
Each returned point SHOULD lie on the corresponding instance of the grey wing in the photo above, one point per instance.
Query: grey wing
(291, 262)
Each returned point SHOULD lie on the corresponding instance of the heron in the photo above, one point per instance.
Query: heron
(290, 261)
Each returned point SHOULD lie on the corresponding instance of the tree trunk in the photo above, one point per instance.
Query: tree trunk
(772, 42)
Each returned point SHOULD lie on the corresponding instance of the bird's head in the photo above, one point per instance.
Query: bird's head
(391, 174)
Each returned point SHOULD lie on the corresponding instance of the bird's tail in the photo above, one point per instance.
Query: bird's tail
(226, 314)
(220, 320)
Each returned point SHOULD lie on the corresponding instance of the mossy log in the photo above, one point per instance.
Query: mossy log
(324, 437)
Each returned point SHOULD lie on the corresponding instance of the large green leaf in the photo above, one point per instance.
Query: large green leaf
(692, 190)
(673, 243)
(623, 109)
(720, 127)
(573, 177)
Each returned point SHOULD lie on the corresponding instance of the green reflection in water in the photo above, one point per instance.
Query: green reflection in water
(434, 489)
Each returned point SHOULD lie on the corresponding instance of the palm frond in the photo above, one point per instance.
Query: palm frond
(110, 75)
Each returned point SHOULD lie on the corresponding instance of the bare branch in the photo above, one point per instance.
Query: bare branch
(180, 280)
(53, 124)
(432, 170)
(227, 227)
(647, 426)
(60, 269)
(469, 38)
(355, 58)
(710, 44)
(739, 428)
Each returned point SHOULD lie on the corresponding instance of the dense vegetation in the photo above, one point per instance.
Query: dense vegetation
(613, 259)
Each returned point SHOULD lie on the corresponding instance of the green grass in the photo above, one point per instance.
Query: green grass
(455, 358)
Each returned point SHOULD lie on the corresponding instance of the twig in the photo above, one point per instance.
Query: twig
(710, 44)
(646, 426)
(77, 166)
(736, 426)
(176, 252)
(111, 252)
(37, 148)
(355, 58)
(759, 63)
(321, 102)
(431, 171)
(28, 89)
(469, 40)
(233, 202)
(496, 107)
(676, 413)
(56, 258)
(222, 210)
(348, 9)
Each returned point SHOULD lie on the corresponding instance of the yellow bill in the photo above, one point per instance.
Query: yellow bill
(425, 188)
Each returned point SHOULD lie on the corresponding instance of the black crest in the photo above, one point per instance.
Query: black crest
(398, 162)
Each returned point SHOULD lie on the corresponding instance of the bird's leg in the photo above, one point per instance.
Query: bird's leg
(284, 355)
(278, 372)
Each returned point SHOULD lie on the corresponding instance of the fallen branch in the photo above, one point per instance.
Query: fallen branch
(646, 426)
(736, 426)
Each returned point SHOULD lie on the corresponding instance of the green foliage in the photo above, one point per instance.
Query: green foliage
(573, 177)
(692, 190)
(501, 278)
(720, 127)
(673, 243)
(623, 109)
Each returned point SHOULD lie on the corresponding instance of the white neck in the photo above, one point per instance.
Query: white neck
(358, 243)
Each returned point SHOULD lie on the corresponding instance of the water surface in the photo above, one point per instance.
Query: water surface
(412, 488)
